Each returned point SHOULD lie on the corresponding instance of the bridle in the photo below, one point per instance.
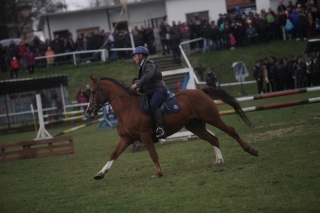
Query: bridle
(107, 101)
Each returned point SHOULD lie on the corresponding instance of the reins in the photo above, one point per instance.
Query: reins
(107, 101)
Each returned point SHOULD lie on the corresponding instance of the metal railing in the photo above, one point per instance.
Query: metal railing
(192, 73)
(77, 56)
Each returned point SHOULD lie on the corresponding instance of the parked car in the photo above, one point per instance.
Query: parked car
(6, 42)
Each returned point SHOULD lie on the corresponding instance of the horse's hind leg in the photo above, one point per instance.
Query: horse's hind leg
(217, 122)
(199, 128)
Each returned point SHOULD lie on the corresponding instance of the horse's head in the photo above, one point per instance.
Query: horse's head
(97, 97)
(104, 91)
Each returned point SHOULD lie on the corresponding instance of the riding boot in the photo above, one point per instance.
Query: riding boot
(160, 133)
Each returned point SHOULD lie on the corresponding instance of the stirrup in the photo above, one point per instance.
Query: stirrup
(160, 133)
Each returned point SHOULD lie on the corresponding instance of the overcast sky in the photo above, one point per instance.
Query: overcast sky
(77, 4)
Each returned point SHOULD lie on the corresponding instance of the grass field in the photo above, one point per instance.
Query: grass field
(284, 178)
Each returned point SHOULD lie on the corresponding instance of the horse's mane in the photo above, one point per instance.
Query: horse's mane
(120, 84)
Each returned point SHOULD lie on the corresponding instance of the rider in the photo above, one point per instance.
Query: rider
(151, 84)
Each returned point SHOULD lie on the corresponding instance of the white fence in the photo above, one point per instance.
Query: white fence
(74, 57)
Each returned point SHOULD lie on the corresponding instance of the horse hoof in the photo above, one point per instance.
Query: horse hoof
(253, 151)
(99, 176)
(156, 176)
(218, 162)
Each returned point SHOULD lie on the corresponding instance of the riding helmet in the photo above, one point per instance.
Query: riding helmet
(140, 50)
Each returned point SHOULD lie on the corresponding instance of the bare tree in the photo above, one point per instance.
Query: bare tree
(17, 16)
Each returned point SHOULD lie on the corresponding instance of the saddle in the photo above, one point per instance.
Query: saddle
(170, 105)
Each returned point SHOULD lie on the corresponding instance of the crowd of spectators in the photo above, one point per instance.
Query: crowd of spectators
(274, 74)
(292, 21)
(299, 21)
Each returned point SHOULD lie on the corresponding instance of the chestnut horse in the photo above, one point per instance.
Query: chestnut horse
(197, 109)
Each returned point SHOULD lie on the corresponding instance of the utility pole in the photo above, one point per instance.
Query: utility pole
(124, 4)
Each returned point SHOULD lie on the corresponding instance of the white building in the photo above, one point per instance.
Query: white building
(139, 12)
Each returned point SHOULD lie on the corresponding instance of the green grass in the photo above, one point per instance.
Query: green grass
(284, 178)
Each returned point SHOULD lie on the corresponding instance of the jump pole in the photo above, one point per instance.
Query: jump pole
(78, 127)
(274, 106)
(42, 133)
(34, 119)
(274, 94)
(64, 120)
(64, 113)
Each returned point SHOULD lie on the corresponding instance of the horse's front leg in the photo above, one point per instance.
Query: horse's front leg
(122, 145)
(148, 142)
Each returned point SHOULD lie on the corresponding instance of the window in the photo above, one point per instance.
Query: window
(197, 16)
(88, 31)
(62, 33)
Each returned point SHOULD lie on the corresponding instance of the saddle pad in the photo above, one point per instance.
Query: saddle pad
(170, 106)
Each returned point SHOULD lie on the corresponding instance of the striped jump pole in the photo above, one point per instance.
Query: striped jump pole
(78, 127)
(64, 113)
(274, 106)
(275, 94)
(64, 120)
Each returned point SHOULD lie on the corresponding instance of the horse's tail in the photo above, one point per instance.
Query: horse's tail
(219, 94)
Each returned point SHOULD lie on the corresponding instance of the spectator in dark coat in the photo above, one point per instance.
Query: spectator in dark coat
(261, 26)
(281, 7)
(174, 43)
(164, 36)
(57, 47)
(303, 26)
(150, 40)
(237, 31)
(216, 36)
(200, 71)
(281, 22)
(206, 38)
(138, 38)
(211, 78)
(258, 76)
